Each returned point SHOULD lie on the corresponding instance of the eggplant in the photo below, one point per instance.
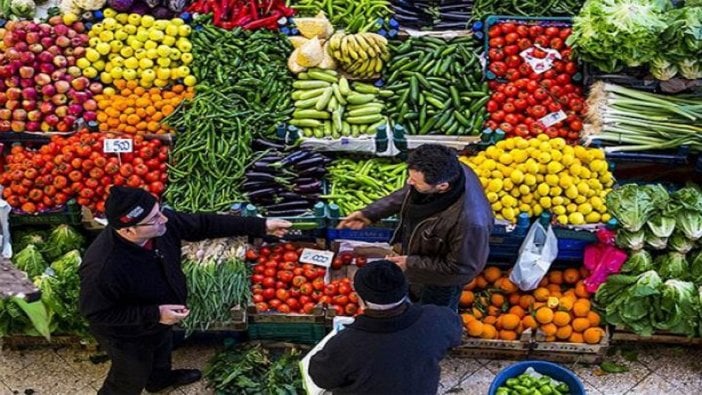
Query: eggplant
(291, 205)
(455, 16)
(260, 176)
(263, 167)
(308, 188)
(260, 193)
(295, 157)
(312, 162)
(305, 180)
(254, 185)
(287, 213)
(451, 25)
(313, 172)
(260, 144)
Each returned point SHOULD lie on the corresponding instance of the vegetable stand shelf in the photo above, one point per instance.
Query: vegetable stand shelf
(14, 282)
(623, 335)
(297, 328)
(70, 214)
(493, 349)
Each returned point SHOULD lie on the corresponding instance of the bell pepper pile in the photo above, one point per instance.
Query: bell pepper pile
(76, 167)
(248, 14)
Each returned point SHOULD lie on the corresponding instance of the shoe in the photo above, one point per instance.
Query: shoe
(178, 377)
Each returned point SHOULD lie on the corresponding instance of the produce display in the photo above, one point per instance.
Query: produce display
(161, 9)
(326, 105)
(630, 120)
(11, 9)
(560, 308)
(285, 184)
(41, 88)
(247, 14)
(361, 55)
(217, 279)
(350, 15)
(76, 167)
(543, 174)
(137, 110)
(534, 91)
(152, 51)
(217, 126)
(253, 369)
(532, 381)
(433, 14)
(438, 86)
(614, 34)
(353, 185)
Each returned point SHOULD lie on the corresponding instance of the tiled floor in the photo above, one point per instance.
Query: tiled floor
(653, 370)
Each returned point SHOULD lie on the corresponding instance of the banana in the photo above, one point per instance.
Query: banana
(335, 41)
(354, 47)
(378, 65)
(365, 45)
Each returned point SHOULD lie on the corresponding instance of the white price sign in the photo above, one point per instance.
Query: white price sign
(553, 118)
(317, 257)
(117, 145)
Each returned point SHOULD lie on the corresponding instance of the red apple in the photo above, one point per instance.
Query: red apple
(62, 86)
(95, 88)
(19, 115)
(46, 107)
(33, 126)
(63, 41)
(29, 105)
(34, 115)
(5, 114)
(42, 79)
(80, 83)
(17, 126)
(14, 93)
(90, 105)
(51, 120)
(5, 126)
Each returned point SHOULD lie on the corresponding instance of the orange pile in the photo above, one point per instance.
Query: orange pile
(135, 110)
(559, 308)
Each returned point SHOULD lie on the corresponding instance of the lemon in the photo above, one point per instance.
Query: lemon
(605, 217)
(148, 75)
(556, 155)
(146, 63)
(530, 179)
(505, 158)
(576, 218)
(163, 62)
(555, 191)
(102, 48)
(183, 71)
(585, 172)
(184, 45)
(594, 184)
(558, 143)
(150, 44)
(554, 167)
(106, 36)
(116, 45)
(134, 19)
(583, 188)
(567, 159)
(483, 182)
(527, 199)
(105, 78)
(90, 72)
(571, 207)
(557, 200)
(495, 185)
(99, 65)
(596, 202)
(532, 167)
(537, 210)
(544, 157)
(160, 83)
(122, 17)
(491, 197)
(551, 179)
(585, 208)
(517, 176)
(186, 58)
(83, 62)
(593, 217)
(572, 192)
(129, 74)
(515, 192)
(599, 166)
(545, 147)
(163, 74)
(524, 190)
(147, 21)
(509, 214)
(171, 30)
(565, 181)
(142, 35)
(543, 189)
(155, 35)
(558, 210)
(109, 23)
(163, 51)
(497, 206)
(493, 152)
(562, 219)
(189, 80)
(508, 201)
(184, 30)
(130, 29)
(545, 202)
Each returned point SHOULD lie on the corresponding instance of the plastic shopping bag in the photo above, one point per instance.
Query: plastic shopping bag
(539, 249)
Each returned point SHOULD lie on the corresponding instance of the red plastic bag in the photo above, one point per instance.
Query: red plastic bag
(602, 259)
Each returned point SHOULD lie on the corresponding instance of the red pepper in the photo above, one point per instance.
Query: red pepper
(287, 12)
(253, 6)
(224, 10)
(267, 22)
(216, 11)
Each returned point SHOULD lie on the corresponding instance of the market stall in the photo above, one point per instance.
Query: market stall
(305, 110)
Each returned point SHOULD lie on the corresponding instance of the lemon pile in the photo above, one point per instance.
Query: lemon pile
(544, 174)
(134, 47)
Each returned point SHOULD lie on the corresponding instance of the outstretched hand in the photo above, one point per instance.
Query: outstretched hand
(356, 220)
(277, 227)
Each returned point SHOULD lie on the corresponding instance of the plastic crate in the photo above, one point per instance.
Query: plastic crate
(543, 21)
(315, 222)
(288, 332)
(70, 214)
(381, 231)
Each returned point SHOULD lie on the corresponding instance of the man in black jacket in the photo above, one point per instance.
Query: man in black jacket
(394, 347)
(132, 288)
(445, 224)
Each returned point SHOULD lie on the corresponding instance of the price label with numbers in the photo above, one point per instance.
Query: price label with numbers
(317, 257)
(117, 145)
(553, 118)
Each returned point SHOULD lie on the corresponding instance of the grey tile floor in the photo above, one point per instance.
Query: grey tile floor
(654, 370)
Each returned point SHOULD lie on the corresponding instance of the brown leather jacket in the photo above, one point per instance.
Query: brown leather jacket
(449, 248)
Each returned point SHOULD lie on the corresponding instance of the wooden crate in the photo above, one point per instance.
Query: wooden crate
(622, 335)
(567, 352)
(22, 342)
(472, 347)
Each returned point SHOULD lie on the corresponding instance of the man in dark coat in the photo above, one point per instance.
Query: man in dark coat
(394, 347)
(132, 288)
(445, 224)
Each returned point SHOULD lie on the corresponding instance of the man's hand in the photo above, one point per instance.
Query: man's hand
(172, 314)
(277, 227)
(400, 261)
(356, 220)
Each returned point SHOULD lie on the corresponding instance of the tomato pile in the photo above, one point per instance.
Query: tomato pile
(521, 97)
(281, 283)
(76, 167)
(347, 258)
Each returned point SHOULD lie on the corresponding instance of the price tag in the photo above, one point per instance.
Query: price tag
(344, 141)
(117, 145)
(553, 118)
(542, 62)
(317, 257)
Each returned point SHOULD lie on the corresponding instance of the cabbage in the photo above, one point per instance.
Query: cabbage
(655, 242)
(672, 265)
(22, 8)
(680, 243)
(67, 265)
(679, 308)
(630, 240)
(696, 268)
(662, 69)
(30, 260)
(631, 300)
(633, 205)
(661, 224)
(638, 262)
(62, 239)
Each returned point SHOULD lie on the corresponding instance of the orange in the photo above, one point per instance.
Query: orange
(517, 310)
(508, 286)
(550, 338)
(554, 288)
(475, 328)
(493, 310)
(508, 335)
(467, 319)
(581, 291)
(555, 277)
(584, 273)
(565, 303)
(497, 300)
(525, 301)
(492, 273)
(576, 337)
(543, 282)
(467, 287)
(581, 308)
(514, 299)
(549, 329)
(581, 324)
(467, 298)
(477, 313)
(480, 282)
(544, 315)
(510, 321)
(489, 332)
(529, 322)
(541, 294)
(561, 318)
(594, 318)
(593, 335)
(491, 319)
(571, 276)
(564, 332)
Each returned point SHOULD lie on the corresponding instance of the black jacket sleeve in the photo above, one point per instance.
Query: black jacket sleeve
(387, 206)
(327, 367)
(195, 227)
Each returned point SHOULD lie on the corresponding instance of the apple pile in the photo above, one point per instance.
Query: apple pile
(41, 88)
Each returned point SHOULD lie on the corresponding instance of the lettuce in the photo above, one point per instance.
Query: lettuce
(672, 265)
(662, 69)
(631, 300)
(680, 243)
(679, 308)
(633, 205)
(30, 261)
(696, 268)
(630, 240)
(62, 239)
(638, 262)
(655, 242)
(661, 224)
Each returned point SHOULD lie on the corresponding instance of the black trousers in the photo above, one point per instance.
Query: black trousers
(136, 364)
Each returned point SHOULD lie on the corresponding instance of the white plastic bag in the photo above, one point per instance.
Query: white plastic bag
(538, 251)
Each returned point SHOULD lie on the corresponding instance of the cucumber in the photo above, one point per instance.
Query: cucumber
(364, 120)
(344, 86)
(324, 99)
(365, 88)
(310, 84)
(305, 123)
(360, 99)
(304, 104)
(304, 95)
(370, 110)
(320, 76)
(310, 114)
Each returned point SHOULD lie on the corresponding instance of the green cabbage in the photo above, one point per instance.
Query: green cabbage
(639, 261)
(632, 205)
(679, 308)
(672, 265)
(696, 268)
(680, 243)
(62, 239)
(661, 224)
(30, 260)
(655, 242)
(630, 240)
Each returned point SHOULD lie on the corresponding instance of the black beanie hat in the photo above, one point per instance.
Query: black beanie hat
(125, 207)
(380, 282)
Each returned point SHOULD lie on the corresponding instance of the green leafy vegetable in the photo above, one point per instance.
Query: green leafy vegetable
(62, 239)
(672, 265)
(30, 260)
(680, 243)
(633, 205)
(696, 268)
(661, 224)
(630, 240)
(630, 300)
(639, 261)
(679, 308)
(655, 242)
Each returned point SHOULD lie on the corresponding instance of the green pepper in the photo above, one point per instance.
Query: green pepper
(527, 381)
(502, 391)
(546, 389)
(522, 390)
(512, 382)
(545, 380)
(563, 388)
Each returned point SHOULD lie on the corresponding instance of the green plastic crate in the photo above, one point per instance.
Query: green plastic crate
(69, 215)
(307, 333)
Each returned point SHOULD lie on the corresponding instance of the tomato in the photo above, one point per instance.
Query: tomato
(282, 294)
(318, 284)
(330, 289)
(274, 303)
(540, 94)
(321, 271)
(498, 68)
(511, 119)
(91, 183)
(283, 308)
(511, 38)
(512, 75)
(297, 281)
(258, 298)
(538, 111)
(289, 266)
(542, 41)
(338, 310)
(506, 127)
(495, 54)
(521, 130)
(508, 27)
(511, 90)
(264, 251)
(571, 68)
(308, 308)
(60, 182)
(513, 61)
(157, 187)
(491, 106)
(551, 132)
(306, 289)
(523, 30)
(554, 107)
(523, 44)
(563, 79)
(495, 31)
(575, 125)
(557, 43)
(351, 309)
(576, 105)
(511, 50)
(521, 104)
(269, 272)
(75, 176)
(509, 108)
(337, 263)
(564, 33)
(497, 42)
(499, 97)
(535, 31)
(126, 170)
(261, 307)
(134, 181)
(552, 31)
(251, 255)
(285, 276)
(344, 289)
(341, 300)
(290, 256)
(573, 136)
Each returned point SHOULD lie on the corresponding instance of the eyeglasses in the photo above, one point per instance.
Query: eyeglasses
(157, 219)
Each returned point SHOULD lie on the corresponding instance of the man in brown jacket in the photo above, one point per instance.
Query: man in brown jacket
(445, 224)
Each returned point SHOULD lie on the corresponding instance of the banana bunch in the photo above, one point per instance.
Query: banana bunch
(327, 106)
(361, 54)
